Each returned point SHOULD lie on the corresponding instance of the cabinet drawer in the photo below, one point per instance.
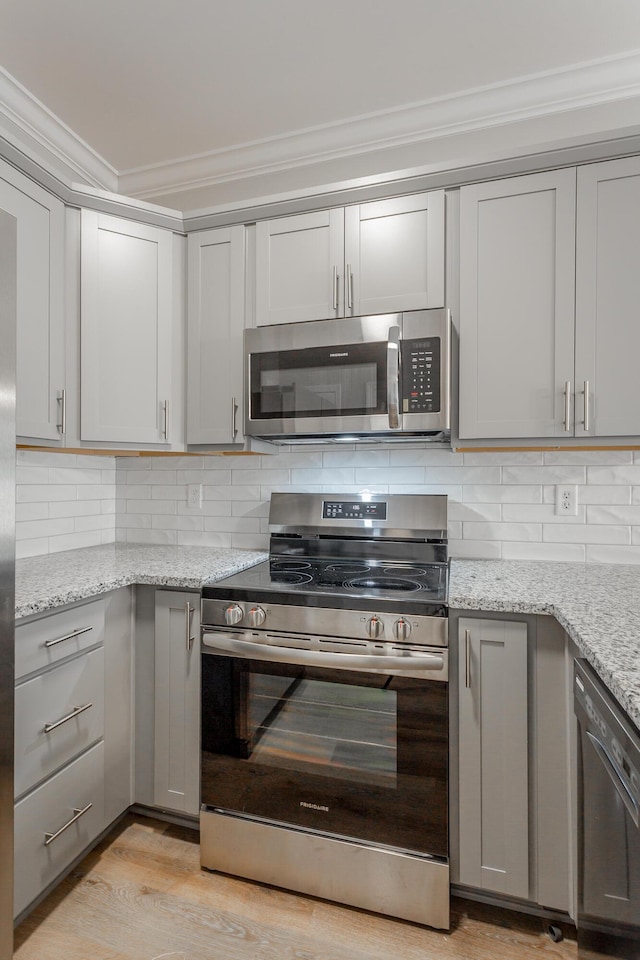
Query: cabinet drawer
(45, 812)
(54, 699)
(44, 642)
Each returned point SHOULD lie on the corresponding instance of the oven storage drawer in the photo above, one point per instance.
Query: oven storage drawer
(75, 793)
(43, 643)
(58, 715)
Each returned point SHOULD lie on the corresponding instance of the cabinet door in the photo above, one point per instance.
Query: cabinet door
(40, 330)
(126, 330)
(494, 756)
(394, 254)
(517, 272)
(216, 261)
(177, 702)
(299, 268)
(607, 297)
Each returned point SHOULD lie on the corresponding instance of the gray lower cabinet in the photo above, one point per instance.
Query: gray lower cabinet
(73, 736)
(176, 774)
(510, 810)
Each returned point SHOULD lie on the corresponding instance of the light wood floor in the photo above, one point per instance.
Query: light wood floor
(140, 895)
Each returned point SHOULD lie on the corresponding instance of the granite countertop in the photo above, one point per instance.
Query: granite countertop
(597, 604)
(46, 582)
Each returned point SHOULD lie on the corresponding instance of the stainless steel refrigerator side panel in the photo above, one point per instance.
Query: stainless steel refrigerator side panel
(8, 274)
(390, 882)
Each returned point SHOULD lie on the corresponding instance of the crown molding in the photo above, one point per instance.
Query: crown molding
(605, 81)
(31, 127)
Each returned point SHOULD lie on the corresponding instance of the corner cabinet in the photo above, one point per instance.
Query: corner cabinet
(510, 772)
(40, 370)
(377, 257)
(215, 322)
(126, 325)
(176, 781)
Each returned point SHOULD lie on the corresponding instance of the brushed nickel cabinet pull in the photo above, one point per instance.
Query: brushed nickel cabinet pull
(349, 286)
(62, 403)
(77, 813)
(586, 405)
(48, 727)
(467, 659)
(567, 406)
(67, 636)
(335, 288)
(234, 411)
(165, 419)
(188, 611)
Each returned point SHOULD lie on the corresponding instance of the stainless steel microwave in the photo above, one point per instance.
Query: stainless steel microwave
(382, 377)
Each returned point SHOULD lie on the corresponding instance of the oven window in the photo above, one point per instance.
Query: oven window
(345, 753)
(342, 732)
(319, 382)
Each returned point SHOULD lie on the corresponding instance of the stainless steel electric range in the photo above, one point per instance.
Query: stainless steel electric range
(325, 706)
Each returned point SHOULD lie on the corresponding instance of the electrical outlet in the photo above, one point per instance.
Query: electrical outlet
(567, 500)
(194, 496)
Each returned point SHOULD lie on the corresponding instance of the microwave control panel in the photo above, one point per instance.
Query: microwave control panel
(421, 375)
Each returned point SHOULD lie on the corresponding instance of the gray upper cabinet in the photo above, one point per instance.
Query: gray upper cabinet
(40, 371)
(215, 321)
(126, 329)
(377, 257)
(298, 267)
(394, 255)
(607, 298)
(517, 274)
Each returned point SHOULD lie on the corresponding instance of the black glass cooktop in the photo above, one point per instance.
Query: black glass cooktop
(296, 580)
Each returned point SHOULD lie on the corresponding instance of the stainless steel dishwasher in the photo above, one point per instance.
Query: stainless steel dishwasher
(608, 823)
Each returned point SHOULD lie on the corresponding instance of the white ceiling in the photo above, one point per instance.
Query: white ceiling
(148, 82)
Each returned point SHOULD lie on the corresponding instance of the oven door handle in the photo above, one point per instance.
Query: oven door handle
(244, 649)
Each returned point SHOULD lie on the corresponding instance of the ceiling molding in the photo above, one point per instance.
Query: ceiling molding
(609, 80)
(34, 129)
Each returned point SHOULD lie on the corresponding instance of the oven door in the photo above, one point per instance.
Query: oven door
(323, 378)
(343, 753)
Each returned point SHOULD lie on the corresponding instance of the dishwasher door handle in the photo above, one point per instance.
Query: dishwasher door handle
(244, 649)
(628, 800)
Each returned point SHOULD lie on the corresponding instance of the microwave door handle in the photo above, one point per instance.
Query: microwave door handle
(393, 377)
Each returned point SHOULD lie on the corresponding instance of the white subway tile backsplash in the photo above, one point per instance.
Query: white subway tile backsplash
(502, 493)
(500, 504)
(586, 533)
(502, 531)
(608, 554)
(547, 474)
(567, 552)
(621, 474)
(475, 549)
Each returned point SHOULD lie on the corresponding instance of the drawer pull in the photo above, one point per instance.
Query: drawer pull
(68, 636)
(48, 727)
(77, 813)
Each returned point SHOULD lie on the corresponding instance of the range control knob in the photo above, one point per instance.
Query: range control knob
(375, 627)
(233, 614)
(402, 629)
(257, 616)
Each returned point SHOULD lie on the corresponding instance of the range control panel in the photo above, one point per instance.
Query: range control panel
(421, 375)
(353, 510)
